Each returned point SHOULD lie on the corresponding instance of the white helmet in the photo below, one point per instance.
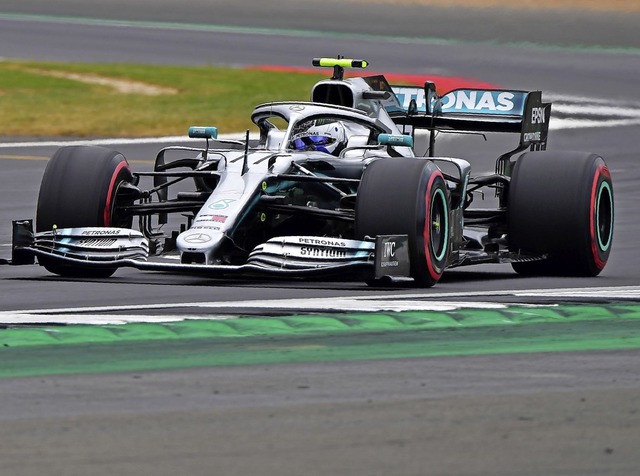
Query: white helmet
(330, 138)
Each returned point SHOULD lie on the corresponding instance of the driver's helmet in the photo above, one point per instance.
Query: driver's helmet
(330, 137)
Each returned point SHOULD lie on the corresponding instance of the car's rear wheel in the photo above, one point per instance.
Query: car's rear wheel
(80, 188)
(561, 205)
(408, 197)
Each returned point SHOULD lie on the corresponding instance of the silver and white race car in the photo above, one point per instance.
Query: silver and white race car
(331, 188)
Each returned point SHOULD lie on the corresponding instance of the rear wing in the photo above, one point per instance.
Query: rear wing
(474, 110)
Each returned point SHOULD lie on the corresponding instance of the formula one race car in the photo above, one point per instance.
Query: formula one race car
(331, 188)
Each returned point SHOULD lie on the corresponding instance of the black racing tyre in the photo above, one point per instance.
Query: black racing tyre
(80, 189)
(409, 197)
(561, 204)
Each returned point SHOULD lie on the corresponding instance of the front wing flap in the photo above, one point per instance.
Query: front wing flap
(92, 245)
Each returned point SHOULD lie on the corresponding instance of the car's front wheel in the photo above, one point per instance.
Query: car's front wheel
(80, 188)
(409, 197)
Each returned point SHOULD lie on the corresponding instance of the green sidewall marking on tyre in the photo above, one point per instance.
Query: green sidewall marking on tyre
(438, 196)
(76, 349)
(604, 246)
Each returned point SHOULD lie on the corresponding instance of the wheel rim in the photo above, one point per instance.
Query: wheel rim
(439, 225)
(604, 216)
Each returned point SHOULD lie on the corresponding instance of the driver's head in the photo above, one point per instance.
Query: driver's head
(330, 138)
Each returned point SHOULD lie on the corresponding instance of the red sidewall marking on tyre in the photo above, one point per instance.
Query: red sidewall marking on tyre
(427, 228)
(108, 203)
(602, 171)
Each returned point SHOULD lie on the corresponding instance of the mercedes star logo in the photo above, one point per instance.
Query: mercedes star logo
(197, 238)
(296, 108)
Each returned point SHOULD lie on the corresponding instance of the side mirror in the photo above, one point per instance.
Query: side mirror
(197, 132)
(395, 140)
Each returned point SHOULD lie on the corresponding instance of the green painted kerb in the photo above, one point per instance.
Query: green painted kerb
(313, 338)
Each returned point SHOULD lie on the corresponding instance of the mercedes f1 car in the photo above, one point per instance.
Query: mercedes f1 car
(332, 187)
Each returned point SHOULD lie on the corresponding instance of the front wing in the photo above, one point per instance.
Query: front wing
(291, 256)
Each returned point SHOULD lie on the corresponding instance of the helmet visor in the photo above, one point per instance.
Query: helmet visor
(312, 143)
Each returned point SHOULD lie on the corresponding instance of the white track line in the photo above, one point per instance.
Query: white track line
(99, 316)
(392, 301)
(331, 304)
(118, 141)
(436, 302)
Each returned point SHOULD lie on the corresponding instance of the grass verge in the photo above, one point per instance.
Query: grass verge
(96, 100)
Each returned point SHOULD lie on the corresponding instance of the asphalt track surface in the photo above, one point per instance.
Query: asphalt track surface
(544, 413)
